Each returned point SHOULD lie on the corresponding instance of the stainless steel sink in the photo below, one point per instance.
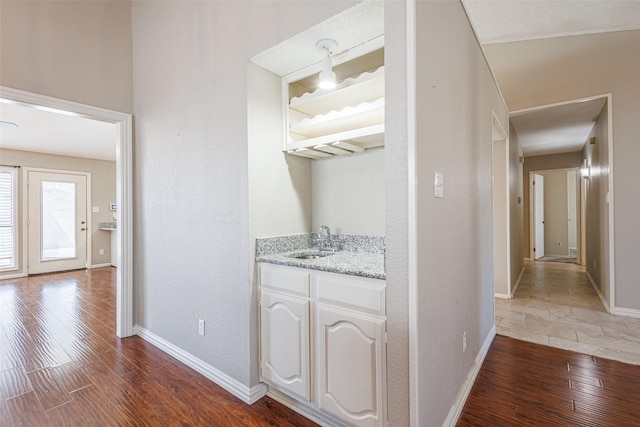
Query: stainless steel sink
(311, 255)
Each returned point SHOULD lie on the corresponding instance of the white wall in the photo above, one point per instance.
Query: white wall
(348, 193)
(598, 64)
(456, 95)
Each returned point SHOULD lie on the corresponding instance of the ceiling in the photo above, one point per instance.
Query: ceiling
(54, 133)
(561, 128)
(500, 21)
(495, 21)
(556, 129)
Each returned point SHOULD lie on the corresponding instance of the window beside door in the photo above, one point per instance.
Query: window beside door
(8, 218)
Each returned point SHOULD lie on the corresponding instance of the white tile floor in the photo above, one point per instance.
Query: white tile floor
(556, 305)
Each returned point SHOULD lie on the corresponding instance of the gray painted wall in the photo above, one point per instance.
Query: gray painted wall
(597, 220)
(599, 64)
(348, 193)
(192, 239)
(399, 160)
(72, 50)
(455, 95)
(516, 208)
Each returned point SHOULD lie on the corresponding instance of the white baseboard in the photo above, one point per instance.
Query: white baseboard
(458, 405)
(597, 289)
(106, 264)
(515, 287)
(13, 276)
(503, 296)
(629, 312)
(241, 391)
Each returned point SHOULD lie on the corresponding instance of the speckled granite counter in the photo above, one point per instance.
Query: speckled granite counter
(362, 255)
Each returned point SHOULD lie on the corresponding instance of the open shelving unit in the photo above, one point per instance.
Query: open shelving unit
(348, 119)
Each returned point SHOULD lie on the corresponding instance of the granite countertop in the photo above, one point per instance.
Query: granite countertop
(110, 225)
(356, 260)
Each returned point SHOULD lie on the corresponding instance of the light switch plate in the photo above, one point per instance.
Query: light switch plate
(438, 184)
(95, 209)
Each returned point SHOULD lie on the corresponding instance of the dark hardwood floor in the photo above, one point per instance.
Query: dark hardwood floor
(62, 365)
(526, 384)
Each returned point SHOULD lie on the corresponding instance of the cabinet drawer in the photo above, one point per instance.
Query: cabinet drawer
(285, 279)
(356, 293)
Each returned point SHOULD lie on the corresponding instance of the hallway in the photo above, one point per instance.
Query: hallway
(556, 305)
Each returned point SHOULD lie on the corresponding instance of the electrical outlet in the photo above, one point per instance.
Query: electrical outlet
(464, 342)
(101, 251)
(594, 263)
(201, 327)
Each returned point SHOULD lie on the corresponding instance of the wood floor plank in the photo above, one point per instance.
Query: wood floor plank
(551, 387)
(46, 387)
(25, 410)
(13, 382)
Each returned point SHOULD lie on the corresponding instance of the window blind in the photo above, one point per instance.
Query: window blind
(8, 226)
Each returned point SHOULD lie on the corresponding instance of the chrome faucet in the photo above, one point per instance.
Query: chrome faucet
(324, 237)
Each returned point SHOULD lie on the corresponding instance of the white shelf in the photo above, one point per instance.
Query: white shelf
(356, 116)
(364, 87)
(343, 121)
(367, 137)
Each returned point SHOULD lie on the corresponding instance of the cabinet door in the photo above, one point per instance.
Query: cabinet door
(350, 368)
(284, 333)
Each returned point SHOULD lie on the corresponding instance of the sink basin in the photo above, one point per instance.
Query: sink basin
(311, 255)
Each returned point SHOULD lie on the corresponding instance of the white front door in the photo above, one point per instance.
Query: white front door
(538, 216)
(57, 221)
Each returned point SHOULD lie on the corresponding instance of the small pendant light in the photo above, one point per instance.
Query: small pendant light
(326, 78)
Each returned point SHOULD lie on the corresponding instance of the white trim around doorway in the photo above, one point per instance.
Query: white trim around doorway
(124, 175)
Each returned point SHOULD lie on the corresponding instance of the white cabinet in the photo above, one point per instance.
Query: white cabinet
(284, 330)
(285, 343)
(323, 341)
(350, 366)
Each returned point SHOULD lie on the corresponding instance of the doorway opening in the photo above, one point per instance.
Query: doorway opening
(555, 216)
(124, 175)
(575, 135)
